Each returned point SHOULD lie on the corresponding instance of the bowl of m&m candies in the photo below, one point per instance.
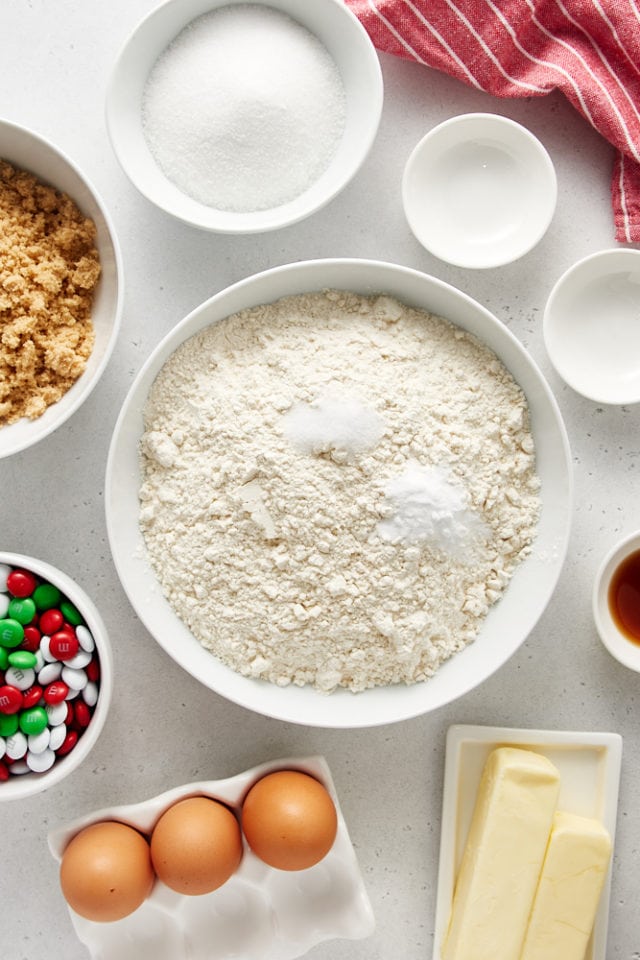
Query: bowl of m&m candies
(55, 675)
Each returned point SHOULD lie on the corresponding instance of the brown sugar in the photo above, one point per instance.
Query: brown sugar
(49, 267)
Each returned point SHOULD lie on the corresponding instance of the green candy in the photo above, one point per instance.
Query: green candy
(33, 721)
(4, 659)
(8, 724)
(22, 609)
(46, 596)
(11, 633)
(23, 659)
(70, 613)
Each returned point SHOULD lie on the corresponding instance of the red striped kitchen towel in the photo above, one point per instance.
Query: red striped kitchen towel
(588, 49)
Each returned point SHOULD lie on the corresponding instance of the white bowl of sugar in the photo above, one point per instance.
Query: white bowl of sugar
(244, 117)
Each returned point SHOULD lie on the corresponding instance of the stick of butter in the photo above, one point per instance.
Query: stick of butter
(503, 856)
(566, 901)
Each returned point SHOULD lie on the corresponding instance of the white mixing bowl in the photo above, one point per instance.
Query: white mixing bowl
(509, 621)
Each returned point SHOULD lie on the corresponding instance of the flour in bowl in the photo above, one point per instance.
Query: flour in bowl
(336, 489)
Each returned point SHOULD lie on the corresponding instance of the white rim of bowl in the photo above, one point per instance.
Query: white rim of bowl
(117, 254)
(567, 376)
(203, 222)
(28, 784)
(497, 119)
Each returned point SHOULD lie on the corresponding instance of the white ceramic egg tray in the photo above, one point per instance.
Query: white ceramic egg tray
(262, 913)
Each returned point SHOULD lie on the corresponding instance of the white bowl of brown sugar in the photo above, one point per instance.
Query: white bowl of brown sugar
(60, 287)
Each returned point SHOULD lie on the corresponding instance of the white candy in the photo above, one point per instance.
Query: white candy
(39, 660)
(16, 745)
(90, 694)
(4, 605)
(5, 570)
(20, 767)
(74, 679)
(3, 747)
(72, 694)
(46, 652)
(57, 735)
(57, 713)
(85, 639)
(37, 742)
(39, 762)
(49, 673)
(21, 679)
(81, 659)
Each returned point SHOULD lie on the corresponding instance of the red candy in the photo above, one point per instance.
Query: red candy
(68, 743)
(31, 696)
(51, 621)
(81, 714)
(10, 699)
(32, 637)
(21, 583)
(64, 645)
(56, 692)
(92, 670)
(4, 771)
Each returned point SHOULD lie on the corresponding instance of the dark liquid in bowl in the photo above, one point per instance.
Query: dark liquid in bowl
(624, 597)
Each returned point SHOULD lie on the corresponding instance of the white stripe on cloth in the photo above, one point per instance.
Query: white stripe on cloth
(490, 54)
(543, 63)
(567, 46)
(600, 54)
(443, 43)
(623, 200)
(636, 12)
(615, 34)
(394, 33)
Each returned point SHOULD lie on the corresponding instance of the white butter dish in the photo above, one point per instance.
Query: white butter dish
(589, 766)
(262, 913)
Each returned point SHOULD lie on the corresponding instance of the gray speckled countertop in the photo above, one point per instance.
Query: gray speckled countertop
(164, 728)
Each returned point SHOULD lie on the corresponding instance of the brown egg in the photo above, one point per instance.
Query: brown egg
(106, 871)
(196, 845)
(289, 820)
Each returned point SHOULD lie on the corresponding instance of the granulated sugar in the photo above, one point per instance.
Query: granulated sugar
(245, 109)
(338, 563)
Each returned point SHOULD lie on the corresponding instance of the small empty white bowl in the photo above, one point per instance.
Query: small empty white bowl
(619, 645)
(591, 326)
(351, 49)
(479, 190)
